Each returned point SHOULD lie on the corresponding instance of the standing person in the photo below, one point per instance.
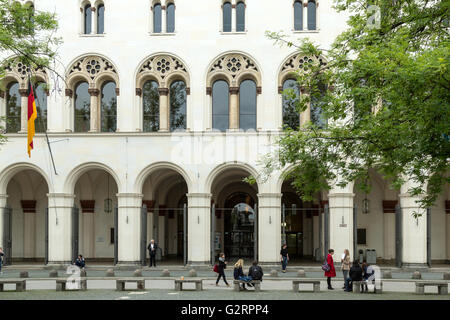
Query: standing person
(345, 264)
(284, 257)
(152, 252)
(1, 259)
(332, 272)
(221, 267)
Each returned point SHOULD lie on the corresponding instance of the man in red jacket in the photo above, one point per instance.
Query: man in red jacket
(332, 272)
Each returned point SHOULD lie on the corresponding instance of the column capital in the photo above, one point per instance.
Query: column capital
(69, 93)
(341, 195)
(93, 92)
(2, 94)
(23, 92)
(163, 91)
(234, 90)
(269, 195)
(28, 206)
(139, 92)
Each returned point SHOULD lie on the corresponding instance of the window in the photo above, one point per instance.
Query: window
(226, 11)
(298, 15)
(361, 236)
(311, 15)
(220, 105)
(101, 19)
(41, 106)
(82, 107)
(247, 105)
(109, 107)
(13, 108)
(291, 117)
(111, 236)
(170, 18)
(150, 100)
(177, 105)
(240, 17)
(157, 18)
(87, 19)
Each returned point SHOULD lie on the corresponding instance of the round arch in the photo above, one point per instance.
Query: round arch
(229, 165)
(8, 173)
(77, 172)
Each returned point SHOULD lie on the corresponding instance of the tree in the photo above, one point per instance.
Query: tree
(387, 102)
(27, 36)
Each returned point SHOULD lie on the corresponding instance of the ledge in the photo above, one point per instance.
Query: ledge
(162, 34)
(95, 35)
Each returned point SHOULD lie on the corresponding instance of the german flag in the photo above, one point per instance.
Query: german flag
(32, 115)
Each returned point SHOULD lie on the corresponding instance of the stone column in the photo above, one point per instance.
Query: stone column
(234, 108)
(29, 228)
(269, 224)
(3, 203)
(199, 225)
(233, 18)
(305, 116)
(95, 110)
(129, 233)
(2, 109)
(163, 19)
(163, 109)
(60, 228)
(69, 116)
(94, 20)
(24, 110)
(87, 240)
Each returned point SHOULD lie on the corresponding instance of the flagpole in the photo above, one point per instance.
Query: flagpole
(42, 124)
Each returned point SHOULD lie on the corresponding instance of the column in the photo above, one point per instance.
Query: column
(29, 226)
(94, 110)
(305, 116)
(60, 228)
(269, 224)
(24, 110)
(163, 19)
(2, 109)
(3, 203)
(233, 18)
(129, 233)
(68, 119)
(94, 20)
(234, 110)
(199, 224)
(87, 240)
(163, 109)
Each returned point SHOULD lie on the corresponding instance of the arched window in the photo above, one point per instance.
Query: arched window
(13, 108)
(177, 98)
(240, 17)
(170, 18)
(87, 19)
(226, 11)
(220, 105)
(41, 106)
(311, 15)
(82, 107)
(109, 107)
(298, 15)
(317, 116)
(291, 117)
(157, 18)
(101, 19)
(150, 100)
(247, 105)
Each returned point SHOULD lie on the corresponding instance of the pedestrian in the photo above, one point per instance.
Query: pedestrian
(255, 271)
(79, 262)
(1, 259)
(284, 257)
(331, 273)
(152, 252)
(355, 274)
(221, 268)
(345, 264)
(239, 273)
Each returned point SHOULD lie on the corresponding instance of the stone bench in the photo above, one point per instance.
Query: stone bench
(179, 284)
(120, 283)
(315, 283)
(358, 286)
(442, 286)
(256, 284)
(71, 284)
(20, 284)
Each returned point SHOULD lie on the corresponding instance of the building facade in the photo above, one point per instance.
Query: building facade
(155, 112)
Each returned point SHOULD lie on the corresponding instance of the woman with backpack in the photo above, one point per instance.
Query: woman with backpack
(220, 268)
(330, 271)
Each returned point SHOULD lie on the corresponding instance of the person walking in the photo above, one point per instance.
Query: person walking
(331, 273)
(221, 268)
(239, 273)
(345, 264)
(1, 259)
(152, 252)
(355, 274)
(284, 257)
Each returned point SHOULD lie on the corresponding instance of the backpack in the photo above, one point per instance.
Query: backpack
(216, 268)
(256, 272)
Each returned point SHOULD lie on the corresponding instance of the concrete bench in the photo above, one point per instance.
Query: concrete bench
(442, 286)
(20, 284)
(179, 284)
(255, 283)
(71, 284)
(315, 283)
(120, 283)
(358, 286)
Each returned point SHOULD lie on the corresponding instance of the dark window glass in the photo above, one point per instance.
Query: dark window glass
(40, 96)
(227, 17)
(177, 96)
(157, 18)
(150, 100)
(291, 117)
(87, 19)
(170, 17)
(298, 15)
(240, 16)
(220, 105)
(101, 19)
(247, 105)
(82, 107)
(109, 107)
(317, 116)
(311, 15)
(111, 236)
(361, 236)
(13, 108)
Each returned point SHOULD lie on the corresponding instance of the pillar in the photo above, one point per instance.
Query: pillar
(269, 227)
(70, 115)
(29, 228)
(199, 224)
(94, 110)
(163, 19)
(305, 116)
(2, 109)
(3, 203)
(234, 109)
(94, 20)
(163, 109)
(233, 18)
(24, 110)
(87, 239)
(129, 233)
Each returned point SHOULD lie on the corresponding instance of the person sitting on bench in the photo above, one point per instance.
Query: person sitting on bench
(255, 272)
(355, 274)
(239, 273)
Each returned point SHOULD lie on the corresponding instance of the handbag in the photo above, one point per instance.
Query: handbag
(216, 268)
(325, 266)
